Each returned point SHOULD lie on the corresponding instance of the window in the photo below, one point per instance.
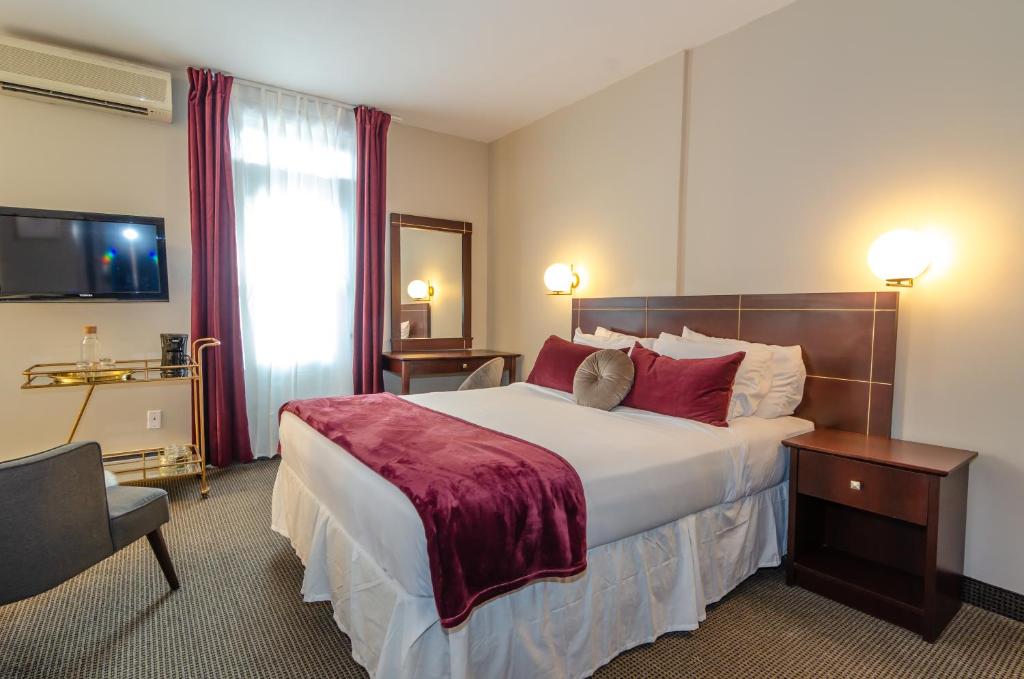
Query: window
(293, 159)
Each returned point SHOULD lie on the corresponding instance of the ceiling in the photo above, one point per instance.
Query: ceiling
(473, 68)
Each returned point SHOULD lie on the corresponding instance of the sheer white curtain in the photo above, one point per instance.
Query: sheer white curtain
(293, 159)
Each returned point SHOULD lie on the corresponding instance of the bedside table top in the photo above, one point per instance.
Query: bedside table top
(920, 457)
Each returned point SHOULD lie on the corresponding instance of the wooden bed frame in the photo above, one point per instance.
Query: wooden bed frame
(848, 341)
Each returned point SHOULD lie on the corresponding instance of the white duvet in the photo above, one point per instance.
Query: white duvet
(639, 469)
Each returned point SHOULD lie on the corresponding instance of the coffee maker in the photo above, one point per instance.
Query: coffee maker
(174, 351)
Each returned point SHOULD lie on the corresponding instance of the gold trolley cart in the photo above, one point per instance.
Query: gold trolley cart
(146, 464)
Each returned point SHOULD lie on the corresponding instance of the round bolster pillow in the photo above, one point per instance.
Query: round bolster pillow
(603, 379)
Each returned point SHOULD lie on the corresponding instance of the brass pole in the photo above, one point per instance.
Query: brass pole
(81, 411)
(199, 346)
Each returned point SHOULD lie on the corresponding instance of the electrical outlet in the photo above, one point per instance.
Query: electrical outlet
(154, 419)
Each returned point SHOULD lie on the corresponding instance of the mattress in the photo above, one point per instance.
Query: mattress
(639, 469)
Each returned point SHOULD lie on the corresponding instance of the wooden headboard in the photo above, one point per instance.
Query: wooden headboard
(418, 315)
(848, 341)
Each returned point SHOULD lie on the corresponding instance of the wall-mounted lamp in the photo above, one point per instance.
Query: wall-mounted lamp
(561, 279)
(900, 256)
(420, 291)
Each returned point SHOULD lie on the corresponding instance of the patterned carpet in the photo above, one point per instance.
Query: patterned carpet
(239, 615)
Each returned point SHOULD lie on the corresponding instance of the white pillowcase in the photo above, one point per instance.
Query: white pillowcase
(586, 340)
(645, 342)
(405, 328)
(788, 374)
(753, 379)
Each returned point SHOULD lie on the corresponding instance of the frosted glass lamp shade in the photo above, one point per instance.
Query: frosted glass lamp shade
(420, 291)
(898, 257)
(560, 279)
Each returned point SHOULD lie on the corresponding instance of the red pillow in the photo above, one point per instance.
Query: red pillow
(694, 388)
(557, 363)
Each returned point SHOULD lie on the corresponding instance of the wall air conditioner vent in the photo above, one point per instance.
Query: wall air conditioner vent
(62, 76)
(73, 98)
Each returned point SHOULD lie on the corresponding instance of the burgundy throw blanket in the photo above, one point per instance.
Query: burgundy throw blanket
(498, 512)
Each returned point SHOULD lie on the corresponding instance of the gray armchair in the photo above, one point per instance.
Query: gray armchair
(486, 376)
(57, 519)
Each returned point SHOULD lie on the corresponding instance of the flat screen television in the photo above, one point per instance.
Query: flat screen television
(47, 255)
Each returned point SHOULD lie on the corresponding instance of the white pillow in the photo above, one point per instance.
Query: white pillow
(405, 328)
(788, 374)
(586, 340)
(645, 342)
(753, 379)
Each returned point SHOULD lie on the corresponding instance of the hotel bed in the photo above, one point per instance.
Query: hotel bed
(678, 514)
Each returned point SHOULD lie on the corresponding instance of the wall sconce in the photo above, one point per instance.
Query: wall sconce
(561, 279)
(900, 256)
(420, 291)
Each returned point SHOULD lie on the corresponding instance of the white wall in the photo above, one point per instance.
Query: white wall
(825, 124)
(596, 185)
(63, 158)
(438, 175)
(808, 133)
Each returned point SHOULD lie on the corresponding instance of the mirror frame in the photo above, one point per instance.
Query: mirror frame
(400, 221)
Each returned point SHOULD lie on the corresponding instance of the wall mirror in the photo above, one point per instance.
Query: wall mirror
(431, 300)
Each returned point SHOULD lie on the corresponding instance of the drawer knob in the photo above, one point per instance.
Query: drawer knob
(854, 485)
(465, 365)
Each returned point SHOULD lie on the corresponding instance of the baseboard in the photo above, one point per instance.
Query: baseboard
(992, 598)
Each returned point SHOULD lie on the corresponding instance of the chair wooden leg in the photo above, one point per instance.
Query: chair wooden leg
(156, 541)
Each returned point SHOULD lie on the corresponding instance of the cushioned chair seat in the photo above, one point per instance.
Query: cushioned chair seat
(134, 512)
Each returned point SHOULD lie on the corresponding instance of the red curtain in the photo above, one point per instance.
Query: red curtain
(371, 194)
(215, 266)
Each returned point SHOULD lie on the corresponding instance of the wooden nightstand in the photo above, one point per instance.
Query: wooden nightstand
(878, 524)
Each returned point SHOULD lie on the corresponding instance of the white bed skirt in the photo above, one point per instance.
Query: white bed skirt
(633, 590)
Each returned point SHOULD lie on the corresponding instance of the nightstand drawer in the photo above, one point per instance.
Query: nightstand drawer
(448, 366)
(872, 487)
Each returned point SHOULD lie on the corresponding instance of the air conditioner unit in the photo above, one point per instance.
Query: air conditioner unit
(62, 76)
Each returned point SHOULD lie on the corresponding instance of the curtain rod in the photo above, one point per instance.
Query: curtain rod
(294, 93)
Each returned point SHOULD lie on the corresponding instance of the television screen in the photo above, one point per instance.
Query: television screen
(46, 255)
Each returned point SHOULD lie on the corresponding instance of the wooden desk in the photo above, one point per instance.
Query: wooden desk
(409, 364)
(879, 524)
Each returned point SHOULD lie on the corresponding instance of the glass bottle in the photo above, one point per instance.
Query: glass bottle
(89, 352)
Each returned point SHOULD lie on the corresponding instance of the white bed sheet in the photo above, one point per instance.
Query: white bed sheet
(639, 469)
